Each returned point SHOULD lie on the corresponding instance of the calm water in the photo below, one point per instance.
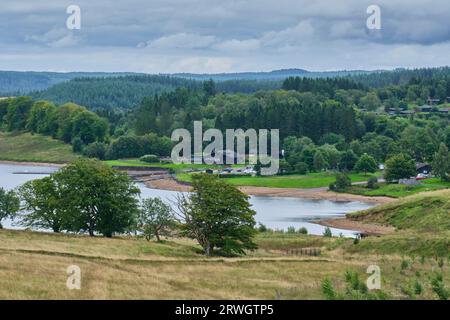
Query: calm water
(274, 212)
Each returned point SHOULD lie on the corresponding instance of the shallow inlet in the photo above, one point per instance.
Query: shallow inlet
(274, 212)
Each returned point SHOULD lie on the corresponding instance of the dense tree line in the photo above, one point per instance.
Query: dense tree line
(112, 92)
(399, 76)
(324, 86)
(14, 83)
(68, 122)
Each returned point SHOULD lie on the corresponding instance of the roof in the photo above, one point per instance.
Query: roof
(420, 165)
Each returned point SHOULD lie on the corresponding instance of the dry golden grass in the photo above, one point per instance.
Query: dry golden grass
(33, 266)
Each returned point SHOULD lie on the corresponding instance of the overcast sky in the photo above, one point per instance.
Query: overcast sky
(210, 36)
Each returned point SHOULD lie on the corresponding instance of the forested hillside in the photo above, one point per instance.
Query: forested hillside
(14, 83)
(402, 76)
(272, 75)
(112, 92)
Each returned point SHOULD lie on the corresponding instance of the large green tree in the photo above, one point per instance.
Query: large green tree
(41, 118)
(9, 204)
(17, 115)
(398, 167)
(366, 164)
(43, 204)
(155, 218)
(97, 198)
(218, 216)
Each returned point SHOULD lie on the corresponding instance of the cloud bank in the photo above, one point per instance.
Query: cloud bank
(164, 36)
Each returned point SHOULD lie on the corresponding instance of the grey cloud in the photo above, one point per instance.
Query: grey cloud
(213, 35)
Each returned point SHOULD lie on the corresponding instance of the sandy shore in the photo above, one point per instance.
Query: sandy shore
(34, 164)
(315, 194)
(344, 223)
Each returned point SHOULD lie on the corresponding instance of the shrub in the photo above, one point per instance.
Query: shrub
(301, 168)
(77, 145)
(303, 230)
(327, 233)
(404, 265)
(262, 228)
(343, 181)
(372, 183)
(437, 284)
(328, 290)
(291, 230)
(418, 289)
(355, 289)
(150, 158)
(95, 150)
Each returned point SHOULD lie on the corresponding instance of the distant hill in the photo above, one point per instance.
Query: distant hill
(17, 83)
(272, 75)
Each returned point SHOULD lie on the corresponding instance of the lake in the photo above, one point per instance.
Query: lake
(274, 212)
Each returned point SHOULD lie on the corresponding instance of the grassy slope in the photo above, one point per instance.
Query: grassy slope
(428, 212)
(33, 265)
(34, 148)
(398, 190)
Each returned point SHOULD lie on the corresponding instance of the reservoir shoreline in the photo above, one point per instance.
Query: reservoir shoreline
(311, 194)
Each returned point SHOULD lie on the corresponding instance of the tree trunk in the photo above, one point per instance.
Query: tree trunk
(207, 248)
(91, 232)
(157, 236)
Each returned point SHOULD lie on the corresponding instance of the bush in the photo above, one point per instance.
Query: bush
(437, 284)
(327, 233)
(262, 228)
(303, 230)
(343, 181)
(328, 290)
(291, 230)
(150, 158)
(372, 183)
(95, 150)
(301, 168)
(77, 145)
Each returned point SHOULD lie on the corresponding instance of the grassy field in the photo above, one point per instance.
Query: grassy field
(34, 148)
(310, 180)
(398, 190)
(33, 265)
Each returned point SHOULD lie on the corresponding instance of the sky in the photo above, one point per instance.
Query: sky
(210, 36)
